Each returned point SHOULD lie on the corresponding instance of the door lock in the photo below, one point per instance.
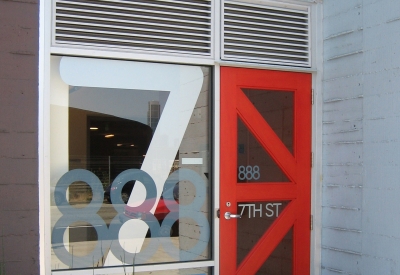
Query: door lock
(229, 216)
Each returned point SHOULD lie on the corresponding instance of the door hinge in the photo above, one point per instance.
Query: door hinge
(311, 222)
(312, 96)
(312, 159)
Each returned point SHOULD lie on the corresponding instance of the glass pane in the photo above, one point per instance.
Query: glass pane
(276, 107)
(280, 261)
(254, 163)
(257, 217)
(129, 167)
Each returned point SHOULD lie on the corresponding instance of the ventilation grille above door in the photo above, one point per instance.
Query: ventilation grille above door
(176, 26)
(266, 33)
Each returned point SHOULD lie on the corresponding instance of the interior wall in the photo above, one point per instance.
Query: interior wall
(19, 219)
(361, 87)
(77, 135)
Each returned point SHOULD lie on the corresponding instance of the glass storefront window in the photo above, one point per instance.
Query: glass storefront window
(130, 163)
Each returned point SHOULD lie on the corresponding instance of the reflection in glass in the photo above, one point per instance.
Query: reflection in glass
(103, 203)
(276, 107)
(257, 218)
(254, 162)
(281, 259)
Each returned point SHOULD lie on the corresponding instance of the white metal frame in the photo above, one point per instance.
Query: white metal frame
(45, 50)
(43, 135)
(129, 269)
(316, 176)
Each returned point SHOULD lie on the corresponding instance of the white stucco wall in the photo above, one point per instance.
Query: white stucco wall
(361, 143)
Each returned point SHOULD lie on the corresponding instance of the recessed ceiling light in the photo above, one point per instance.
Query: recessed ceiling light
(109, 136)
(94, 128)
(132, 145)
(119, 144)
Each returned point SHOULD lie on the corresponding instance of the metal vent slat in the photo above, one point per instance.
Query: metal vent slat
(124, 12)
(281, 22)
(266, 13)
(149, 42)
(268, 25)
(130, 25)
(256, 58)
(254, 55)
(263, 33)
(286, 49)
(253, 36)
(115, 46)
(200, 3)
(119, 28)
(140, 7)
(161, 22)
(250, 6)
(67, 31)
(266, 33)
(174, 26)
(272, 44)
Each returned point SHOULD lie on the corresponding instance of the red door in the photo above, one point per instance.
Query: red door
(265, 172)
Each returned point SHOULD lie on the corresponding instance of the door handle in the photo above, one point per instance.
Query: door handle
(229, 216)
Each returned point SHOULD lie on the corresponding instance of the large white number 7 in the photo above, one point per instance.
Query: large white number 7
(184, 84)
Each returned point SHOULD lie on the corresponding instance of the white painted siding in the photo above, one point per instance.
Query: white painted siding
(361, 143)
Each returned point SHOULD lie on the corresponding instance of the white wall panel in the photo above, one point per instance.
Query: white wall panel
(361, 137)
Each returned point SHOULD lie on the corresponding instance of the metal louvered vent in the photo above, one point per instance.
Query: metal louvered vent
(175, 26)
(266, 33)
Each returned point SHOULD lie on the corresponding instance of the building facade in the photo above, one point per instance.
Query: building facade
(199, 137)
